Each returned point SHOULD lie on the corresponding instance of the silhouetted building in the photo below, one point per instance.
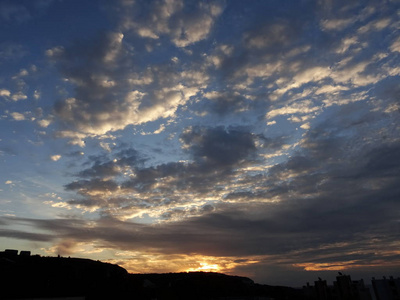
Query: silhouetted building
(309, 291)
(58, 298)
(11, 252)
(344, 286)
(321, 289)
(25, 253)
(386, 289)
(343, 289)
(349, 290)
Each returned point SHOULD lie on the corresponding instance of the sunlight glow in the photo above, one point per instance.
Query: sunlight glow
(205, 267)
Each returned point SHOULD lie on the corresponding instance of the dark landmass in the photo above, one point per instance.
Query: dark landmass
(24, 276)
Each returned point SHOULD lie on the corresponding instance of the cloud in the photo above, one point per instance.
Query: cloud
(75, 138)
(395, 46)
(65, 247)
(160, 263)
(18, 116)
(55, 157)
(22, 73)
(160, 129)
(104, 167)
(37, 237)
(5, 93)
(286, 67)
(331, 89)
(120, 185)
(331, 196)
(336, 24)
(55, 52)
(184, 23)
(351, 13)
(107, 98)
(19, 96)
(123, 187)
(10, 52)
(303, 107)
(36, 94)
(10, 11)
(275, 34)
(105, 146)
(308, 222)
(76, 154)
(228, 103)
(93, 186)
(280, 148)
(103, 170)
(376, 25)
(218, 146)
(44, 123)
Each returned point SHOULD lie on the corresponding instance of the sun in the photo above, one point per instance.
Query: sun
(205, 267)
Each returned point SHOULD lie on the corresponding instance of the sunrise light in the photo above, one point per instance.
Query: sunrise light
(205, 267)
(257, 138)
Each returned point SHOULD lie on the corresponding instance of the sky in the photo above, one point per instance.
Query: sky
(254, 138)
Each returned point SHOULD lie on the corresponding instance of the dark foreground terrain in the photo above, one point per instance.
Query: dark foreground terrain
(27, 277)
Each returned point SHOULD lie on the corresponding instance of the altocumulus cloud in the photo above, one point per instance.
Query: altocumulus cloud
(277, 145)
(110, 92)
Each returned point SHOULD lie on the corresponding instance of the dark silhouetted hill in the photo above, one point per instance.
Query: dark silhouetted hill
(35, 276)
(25, 276)
(207, 285)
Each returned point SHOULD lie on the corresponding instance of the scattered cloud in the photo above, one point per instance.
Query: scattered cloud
(336, 24)
(5, 93)
(55, 157)
(11, 11)
(19, 96)
(10, 52)
(173, 19)
(214, 139)
(18, 116)
(106, 99)
(44, 123)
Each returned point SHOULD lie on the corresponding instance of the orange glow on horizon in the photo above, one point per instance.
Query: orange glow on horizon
(150, 262)
(338, 266)
(205, 267)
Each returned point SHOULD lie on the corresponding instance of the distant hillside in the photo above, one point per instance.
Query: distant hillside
(207, 285)
(25, 276)
(35, 276)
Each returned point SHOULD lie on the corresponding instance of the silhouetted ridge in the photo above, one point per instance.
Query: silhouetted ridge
(26, 276)
(195, 284)
(36, 276)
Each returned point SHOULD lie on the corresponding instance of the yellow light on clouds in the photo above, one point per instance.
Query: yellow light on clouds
(205, 267)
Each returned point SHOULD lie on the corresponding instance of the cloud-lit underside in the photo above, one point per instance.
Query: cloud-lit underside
(250, 138)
